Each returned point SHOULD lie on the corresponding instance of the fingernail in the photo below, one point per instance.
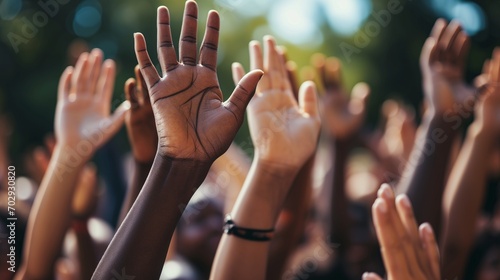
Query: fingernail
(385, 192)
(381, 205)
(405, 201)
(365, 275)
(429, 233)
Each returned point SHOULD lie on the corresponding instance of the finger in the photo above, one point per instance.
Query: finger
(371, 276)
(273, 64)
(187, 45)
(111, 125)
(130, 93)
(318, 61)
(291, 69)
(256, 58)
(308, 99)
(461, 48)
(141, 89)
(208, 52)
(451, 32)
(64, 88)
(238, 72)
(106, 85)
(438, 29)
(403, 238)
(95, 70)
(392, 251)
(407, 217)
(81, 75)
(286, 85)
(148, 70)
(165, 45)
(332, 73)
(430, 51)
(359, 96)
(495, 67)
(243, 93)
(431, 248)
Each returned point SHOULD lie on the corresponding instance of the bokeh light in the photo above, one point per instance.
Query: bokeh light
(296, 21)
(345, 17)
(87, 19)
(10, 8)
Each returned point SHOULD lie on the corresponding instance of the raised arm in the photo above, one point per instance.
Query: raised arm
(343, 117)
(284, 134)
(295, 212)
(448, 101)
(82, 124)
(194, 127)
(465, 190)
(141, 129)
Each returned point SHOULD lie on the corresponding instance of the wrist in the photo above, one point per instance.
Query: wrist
(71, 155)
(274, 168)
(185, 172)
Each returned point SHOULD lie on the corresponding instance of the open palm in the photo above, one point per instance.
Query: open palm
(283, 131)
(83, 119)
(192, 120)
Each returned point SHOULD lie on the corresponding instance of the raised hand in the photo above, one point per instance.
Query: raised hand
(192, 120)
(82, 124)
(487, 111)
(283, 131)
(442, 63)
(409, 252)
(194, 127)
(140, 121)
(466, 186)
(83, 121)
(285, 136)
(342, 116)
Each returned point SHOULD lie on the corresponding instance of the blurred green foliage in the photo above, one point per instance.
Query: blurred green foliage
(389, 63)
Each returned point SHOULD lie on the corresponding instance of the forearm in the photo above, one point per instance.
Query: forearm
(233, 165)
(51, 214)
(140, 244)
(262, 196)
(86, 251)
(141, 171)
(463, 197)
(424, 176)
(339, 209)
(290, 229)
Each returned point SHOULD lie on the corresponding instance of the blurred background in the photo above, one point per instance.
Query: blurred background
(378, 41)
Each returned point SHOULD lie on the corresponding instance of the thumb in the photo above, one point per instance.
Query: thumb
(112, 124)
(243, 93)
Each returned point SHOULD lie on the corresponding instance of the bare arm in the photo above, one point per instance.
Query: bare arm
(466, 186)
(448, 101)
(83, 106)
(142, 135)
(284, 134)
(194, 127)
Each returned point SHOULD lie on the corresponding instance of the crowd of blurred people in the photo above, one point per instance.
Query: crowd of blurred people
(322, 198)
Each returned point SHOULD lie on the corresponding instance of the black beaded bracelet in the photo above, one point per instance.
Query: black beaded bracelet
(260, 235)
